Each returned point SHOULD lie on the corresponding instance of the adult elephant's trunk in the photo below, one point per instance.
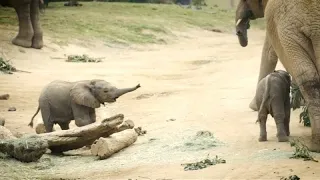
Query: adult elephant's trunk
(121, 92)
(242, 20)
(241, 28)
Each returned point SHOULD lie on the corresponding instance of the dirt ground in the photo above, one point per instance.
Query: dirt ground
(205, 81)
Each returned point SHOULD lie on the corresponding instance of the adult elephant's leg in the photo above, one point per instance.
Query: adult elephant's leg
(268, 64)
(313, 88)
(299, 62)
(37, 41)
(25, 35)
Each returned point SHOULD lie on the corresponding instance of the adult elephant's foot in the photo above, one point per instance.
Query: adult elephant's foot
(314, 146)
(23, 42)
(283, 138)
(37, 41)
(262, 138)
(253, 105)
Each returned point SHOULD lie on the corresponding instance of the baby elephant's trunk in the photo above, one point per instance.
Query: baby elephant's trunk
(121, 92)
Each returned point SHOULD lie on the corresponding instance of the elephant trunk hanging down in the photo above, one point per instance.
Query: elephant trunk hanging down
(62, 101)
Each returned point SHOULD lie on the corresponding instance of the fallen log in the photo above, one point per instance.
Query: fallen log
(104, 147)
(23, 149)
(65, 140)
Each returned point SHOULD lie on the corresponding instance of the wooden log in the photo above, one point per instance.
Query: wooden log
(104, 147)
(23, 149)
(65, 140)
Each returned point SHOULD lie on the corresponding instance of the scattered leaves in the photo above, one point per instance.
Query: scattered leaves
(301, 151)
(292, 177)
(83, 58)
(6, 67)
(203, 164)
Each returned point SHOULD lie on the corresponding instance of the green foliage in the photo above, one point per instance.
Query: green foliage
(296, 98)
(6, 67)
(82, 58)
(203, 164)
(304, 117)
(301, 151)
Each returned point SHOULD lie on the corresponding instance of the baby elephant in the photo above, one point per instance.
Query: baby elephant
(62, 101)
(273, 97)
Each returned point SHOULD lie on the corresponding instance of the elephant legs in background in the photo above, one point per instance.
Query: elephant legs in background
(268, 64)
(30, 33)
(37, 41)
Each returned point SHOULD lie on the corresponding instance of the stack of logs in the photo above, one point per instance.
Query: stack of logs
(29, 148)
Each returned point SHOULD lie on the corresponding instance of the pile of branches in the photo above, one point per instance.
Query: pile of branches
(296, 99)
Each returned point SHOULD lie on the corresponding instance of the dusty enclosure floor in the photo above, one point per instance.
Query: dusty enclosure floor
(204, 82)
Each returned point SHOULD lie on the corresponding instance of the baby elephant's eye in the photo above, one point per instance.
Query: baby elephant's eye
(105, 91)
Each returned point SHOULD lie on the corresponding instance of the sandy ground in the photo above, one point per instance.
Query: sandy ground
(205, 81)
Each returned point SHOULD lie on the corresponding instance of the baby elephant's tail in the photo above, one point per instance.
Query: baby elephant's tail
(265, 96)
(31, 122)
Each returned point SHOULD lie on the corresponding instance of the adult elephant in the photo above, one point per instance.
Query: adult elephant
(293, 33)
(30, 32)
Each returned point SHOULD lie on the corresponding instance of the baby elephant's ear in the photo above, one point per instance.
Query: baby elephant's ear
(81, 94)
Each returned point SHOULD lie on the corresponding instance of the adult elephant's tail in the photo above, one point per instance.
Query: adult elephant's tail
(31, 122)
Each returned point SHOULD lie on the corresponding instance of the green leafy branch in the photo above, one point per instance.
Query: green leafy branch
(296, 99)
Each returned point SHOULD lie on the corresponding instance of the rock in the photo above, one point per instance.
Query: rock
(2, 121)
(12, 109)
(4, 97)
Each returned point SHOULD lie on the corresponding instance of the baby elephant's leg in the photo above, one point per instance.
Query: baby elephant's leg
(279, 117)
(262, 119)
(287, 109)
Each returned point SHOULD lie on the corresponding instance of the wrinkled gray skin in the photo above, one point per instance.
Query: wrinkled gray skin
(30, 33)
(62, 101)
(273, 97)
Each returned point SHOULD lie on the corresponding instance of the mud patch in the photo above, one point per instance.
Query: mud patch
(201, 141)
(149, 95)
(201, 62)
(144, 96)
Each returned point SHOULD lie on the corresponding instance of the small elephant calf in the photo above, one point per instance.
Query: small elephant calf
(273, 97)
(62, 101)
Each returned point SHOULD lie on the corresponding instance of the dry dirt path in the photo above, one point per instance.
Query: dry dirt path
(203, 82)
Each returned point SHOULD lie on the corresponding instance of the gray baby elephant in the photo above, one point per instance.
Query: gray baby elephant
(273, 97)
(62, 101)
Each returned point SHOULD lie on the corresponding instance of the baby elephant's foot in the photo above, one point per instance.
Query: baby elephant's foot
(262, 138)
(283, 138)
